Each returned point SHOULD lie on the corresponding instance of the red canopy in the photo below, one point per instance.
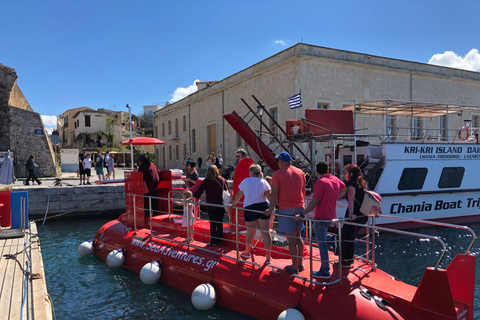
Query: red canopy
(142, 141)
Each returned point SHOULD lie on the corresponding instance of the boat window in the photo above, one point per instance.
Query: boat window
(451, 177)
(412, 178)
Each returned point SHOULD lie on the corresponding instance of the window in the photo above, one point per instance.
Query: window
(417, 128)
(273, 125)
(451, 177)
(184, 119)
(169, 128)
(239, 140)
(163, 129)
(170, 153)
(475, 121)
(412, 178)
(87, 121)
(323, 105)
(156, 131)
(176, 152)
(78, 123)
(66, 122)
(194, 141)
(176, 128)
(184, 150)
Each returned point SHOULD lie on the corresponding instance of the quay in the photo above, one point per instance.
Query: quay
(23, 288)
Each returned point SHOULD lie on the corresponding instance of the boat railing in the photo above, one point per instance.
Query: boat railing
(308, 237)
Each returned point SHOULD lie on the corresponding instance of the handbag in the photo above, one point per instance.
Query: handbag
(226, 196)
(371, 204)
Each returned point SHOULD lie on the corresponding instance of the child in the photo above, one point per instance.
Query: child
(188, 216)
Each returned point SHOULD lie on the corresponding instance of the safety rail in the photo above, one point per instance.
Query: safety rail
(309, 239)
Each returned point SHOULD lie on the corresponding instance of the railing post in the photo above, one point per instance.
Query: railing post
(150, 213)
(236, 232)
(135, 213)
(311, 247)
(340, 225)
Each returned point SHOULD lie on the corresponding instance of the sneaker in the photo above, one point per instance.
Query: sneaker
(88, 183)
(80, 183)
(290, 269)
(39, 182)
(245, 255)
(27, 184)
(321, 275)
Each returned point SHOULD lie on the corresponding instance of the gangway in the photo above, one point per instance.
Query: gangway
(277, 142)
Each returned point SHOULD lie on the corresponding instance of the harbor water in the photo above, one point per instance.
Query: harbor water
(86, 288)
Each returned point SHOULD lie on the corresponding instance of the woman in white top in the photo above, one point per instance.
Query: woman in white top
(257, 192)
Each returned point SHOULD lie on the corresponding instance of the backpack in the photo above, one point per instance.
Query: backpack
(371, 204)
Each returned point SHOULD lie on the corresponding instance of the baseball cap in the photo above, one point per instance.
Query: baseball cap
(284, 156)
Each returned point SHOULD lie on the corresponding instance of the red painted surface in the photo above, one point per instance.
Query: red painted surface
(5, 211)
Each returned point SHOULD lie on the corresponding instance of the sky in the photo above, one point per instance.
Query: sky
(106, 54)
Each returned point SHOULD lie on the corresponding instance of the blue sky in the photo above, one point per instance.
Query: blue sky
(106, 53)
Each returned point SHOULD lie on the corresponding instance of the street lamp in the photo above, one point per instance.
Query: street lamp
(260, 113)
(131, 134)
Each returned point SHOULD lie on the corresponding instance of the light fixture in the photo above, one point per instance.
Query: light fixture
(261, 110)
(467, 123)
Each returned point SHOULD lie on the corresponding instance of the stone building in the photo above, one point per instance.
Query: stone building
(327, 79)
(21, 129)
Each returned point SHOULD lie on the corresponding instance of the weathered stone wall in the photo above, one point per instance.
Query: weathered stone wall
(97, 200)
(18, 123)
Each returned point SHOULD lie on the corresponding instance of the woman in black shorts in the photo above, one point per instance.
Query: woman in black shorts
(257, 192)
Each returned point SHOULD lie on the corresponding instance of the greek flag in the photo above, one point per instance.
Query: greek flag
(295, 101)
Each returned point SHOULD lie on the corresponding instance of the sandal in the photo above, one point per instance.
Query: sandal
(245, 255)
(268, 261)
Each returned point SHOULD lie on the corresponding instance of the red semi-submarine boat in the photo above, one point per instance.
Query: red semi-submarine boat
(154, 246)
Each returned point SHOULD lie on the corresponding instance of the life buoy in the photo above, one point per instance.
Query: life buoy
(467, 133)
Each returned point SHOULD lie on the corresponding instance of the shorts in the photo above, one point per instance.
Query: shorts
(288, 225)
(99, 171)
(82, 170)
(88, 172)
(254, 216)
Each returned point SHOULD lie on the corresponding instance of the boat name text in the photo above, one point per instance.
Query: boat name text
(438, 205)
(443, 152)
(177, 254)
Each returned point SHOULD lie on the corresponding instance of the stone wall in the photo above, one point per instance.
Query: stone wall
(22, 130)
(89, 200)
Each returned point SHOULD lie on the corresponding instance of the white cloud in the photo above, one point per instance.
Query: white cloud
(49, 121)
(50, 130)
(450, 59)
(181, 93)
(280, 42)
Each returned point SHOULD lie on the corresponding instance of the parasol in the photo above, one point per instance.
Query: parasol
(142, 141)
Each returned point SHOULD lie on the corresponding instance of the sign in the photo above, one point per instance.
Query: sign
(425, 151)
(38, 131)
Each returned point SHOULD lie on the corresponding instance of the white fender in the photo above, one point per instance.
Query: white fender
(85, 249)
(150, 273)
(204, 296)
(115, 258)
(291, 314)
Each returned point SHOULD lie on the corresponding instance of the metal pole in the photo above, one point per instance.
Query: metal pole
(131, 134)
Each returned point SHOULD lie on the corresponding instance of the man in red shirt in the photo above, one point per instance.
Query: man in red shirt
(326, 191)
(288, 192)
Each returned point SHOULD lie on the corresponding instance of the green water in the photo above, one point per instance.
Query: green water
(85, 288)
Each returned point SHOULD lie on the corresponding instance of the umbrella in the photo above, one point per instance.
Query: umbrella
(6, 170)
(142, 141)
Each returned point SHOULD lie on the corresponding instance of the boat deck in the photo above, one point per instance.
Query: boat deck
(22, 297)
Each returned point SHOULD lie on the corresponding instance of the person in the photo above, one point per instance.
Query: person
(288, 192)
(356, 187)
(257, 192)
(228, 170)
(31, 165)
(188, 215)
(81, 167)
(186, 159)
(199, 162)
(220, 164)
(99, 166)
(151, 179)
(209, 161)
(87, 166)
(111, 167)
(192, 175)
(213, 185)
(326, 191)
(213, 159)
(239, 155)
(105, 164)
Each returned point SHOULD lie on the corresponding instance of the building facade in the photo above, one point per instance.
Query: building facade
(327, 79)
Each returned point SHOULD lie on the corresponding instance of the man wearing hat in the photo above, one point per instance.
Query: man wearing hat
(288, 192)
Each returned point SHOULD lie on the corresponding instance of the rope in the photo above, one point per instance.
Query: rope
(64, 213)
